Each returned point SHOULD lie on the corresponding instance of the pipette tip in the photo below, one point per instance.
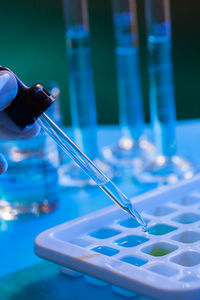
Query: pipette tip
(138, 218)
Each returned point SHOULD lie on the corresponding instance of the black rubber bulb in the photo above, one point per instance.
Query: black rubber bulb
(29, 103)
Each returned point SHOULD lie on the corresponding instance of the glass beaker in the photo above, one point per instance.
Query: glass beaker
(30, 185)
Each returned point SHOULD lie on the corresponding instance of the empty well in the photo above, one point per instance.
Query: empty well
(104, 233)
(134, 260)
(164, 270)
(105, 250)
(131, 241)
(159, 249)
(80, 242)
(160, 211)
(187, 237)
(188, 200)
(160, 229)
(187, 218)
(187, 259)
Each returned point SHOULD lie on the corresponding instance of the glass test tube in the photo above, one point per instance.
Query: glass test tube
(162, 103)
(81, 87)
(133, 150)
(128, 68)
(167, 166)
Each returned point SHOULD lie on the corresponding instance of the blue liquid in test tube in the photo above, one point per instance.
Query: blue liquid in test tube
(133, 149)
(81, 87)
(162, 102)
(167, 166)
(128, 69)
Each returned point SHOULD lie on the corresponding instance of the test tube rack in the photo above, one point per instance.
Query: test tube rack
(163, 263)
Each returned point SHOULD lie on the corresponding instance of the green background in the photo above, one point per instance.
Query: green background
(33, 45)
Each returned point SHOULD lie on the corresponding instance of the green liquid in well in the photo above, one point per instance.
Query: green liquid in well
(159, 252)
(161, 229)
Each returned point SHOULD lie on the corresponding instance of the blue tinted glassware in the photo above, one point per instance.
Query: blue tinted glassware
(167, 167)
(81, 89)
(133, 149)
(30, 185)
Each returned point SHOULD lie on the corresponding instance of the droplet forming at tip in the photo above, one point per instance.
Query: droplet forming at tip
(138, 218)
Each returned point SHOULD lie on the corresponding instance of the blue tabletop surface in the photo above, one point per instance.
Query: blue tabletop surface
(17, 238)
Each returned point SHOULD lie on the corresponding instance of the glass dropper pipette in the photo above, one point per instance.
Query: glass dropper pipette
(29, 106)
(67, 145)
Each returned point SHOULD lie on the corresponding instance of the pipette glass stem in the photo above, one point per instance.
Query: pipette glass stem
(66, 144)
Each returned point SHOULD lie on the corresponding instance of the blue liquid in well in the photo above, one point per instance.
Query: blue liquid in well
(105, 250)
(82, 89)
(160, 229)
(128, 76)
(138, 262)
(131, 241)
(104, 233)
(130, 223)
(162, 93)
(118, 197)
